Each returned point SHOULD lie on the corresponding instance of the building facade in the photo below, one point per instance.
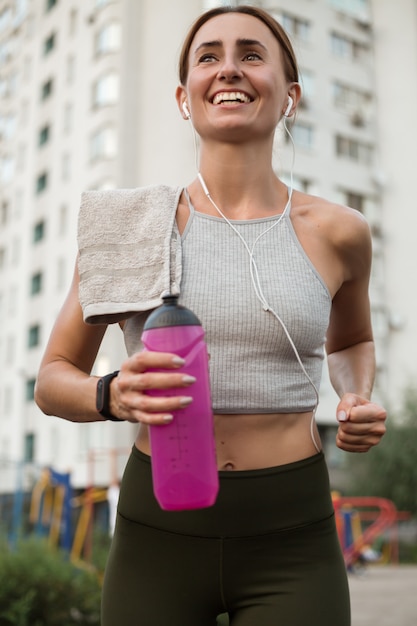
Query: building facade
(87, 101)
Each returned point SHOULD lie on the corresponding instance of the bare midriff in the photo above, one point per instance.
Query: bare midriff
(247, 442)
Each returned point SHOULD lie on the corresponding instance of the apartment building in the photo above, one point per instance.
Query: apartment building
(87, 101)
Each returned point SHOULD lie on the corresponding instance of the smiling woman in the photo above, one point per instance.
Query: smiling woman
(276, 277)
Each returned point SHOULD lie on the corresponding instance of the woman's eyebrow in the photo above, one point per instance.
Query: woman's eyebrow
(217, 43)
(250, 42)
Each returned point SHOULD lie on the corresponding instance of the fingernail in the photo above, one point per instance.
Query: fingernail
(188, 380)
(177, 360)
(342, 416)
(168, 418)
(186, 400)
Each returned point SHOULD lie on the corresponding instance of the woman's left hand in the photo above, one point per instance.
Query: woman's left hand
(361, 423)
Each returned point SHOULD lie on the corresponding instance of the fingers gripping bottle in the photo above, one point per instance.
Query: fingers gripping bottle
(184, 469)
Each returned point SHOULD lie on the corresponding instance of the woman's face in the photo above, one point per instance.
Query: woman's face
(236, 82)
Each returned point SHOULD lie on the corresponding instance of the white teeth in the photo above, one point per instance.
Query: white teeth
(230, 96)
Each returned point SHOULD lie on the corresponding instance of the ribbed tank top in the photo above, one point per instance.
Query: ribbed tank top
(253, 368)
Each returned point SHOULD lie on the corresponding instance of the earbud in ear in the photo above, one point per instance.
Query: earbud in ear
(185, 110)
(289, 106)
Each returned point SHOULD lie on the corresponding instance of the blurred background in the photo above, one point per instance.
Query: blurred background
(87, 102)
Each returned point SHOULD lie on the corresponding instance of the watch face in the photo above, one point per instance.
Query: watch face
(100, 395)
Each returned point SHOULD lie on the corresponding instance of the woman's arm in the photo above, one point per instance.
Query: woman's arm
(350, 347)
(65, 388)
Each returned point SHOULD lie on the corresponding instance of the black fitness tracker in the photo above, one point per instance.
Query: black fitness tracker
(103, 397)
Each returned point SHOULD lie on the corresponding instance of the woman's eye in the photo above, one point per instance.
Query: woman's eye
(207, 58)
(252, 56)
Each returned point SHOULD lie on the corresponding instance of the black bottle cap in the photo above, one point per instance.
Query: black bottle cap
(170, 313)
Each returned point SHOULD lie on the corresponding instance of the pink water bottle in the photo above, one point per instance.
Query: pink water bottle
(184, 469)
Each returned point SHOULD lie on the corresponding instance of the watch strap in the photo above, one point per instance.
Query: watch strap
(103, 397)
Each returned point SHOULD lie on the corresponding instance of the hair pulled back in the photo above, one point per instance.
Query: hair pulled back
(289, 59)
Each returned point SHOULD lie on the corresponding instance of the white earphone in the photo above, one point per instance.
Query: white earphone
(289, 106)
(185, 110)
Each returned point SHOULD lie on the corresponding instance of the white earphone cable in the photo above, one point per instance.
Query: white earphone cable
(254, 269)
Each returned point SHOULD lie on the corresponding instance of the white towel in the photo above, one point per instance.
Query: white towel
(129, 251)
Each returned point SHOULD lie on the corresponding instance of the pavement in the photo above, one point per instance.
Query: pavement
(384, 595)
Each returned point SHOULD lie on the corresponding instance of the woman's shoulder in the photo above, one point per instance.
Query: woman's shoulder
(340, 221)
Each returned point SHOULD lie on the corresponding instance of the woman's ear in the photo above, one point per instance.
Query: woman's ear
(294, 92)
(182, 103)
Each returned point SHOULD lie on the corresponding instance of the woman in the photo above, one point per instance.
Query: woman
(273, 275)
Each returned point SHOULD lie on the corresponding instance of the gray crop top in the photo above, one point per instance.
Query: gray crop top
(253, 368)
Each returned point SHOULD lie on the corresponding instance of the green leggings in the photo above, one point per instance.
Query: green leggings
(266, 554)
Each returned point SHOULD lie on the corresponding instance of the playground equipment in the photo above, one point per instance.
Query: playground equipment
(351, 512)
(359, 520)
(86, 501)
(53, 505)
(50, 509)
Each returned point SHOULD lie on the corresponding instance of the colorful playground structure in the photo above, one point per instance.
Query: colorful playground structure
(67, 519)
(363, 520)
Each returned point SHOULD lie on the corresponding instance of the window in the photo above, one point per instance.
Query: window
(302, 184)
(8, 48)
(70, 69)
(46, 89)
(41, 182)
(20, 11)
(106, 183)
(357, 8)
(63, 220)
(44, 135)
(68, 111)
(5, 19)
(36, 283)
(353, 150)
(38, 231)
(106, 90)
(103, 144)
(4, 213)
(347, 97)
(12, 300)
(7, 168)
(18, 203)
(8, 84)
(29, 452)
(8, 126)
(10, 350)
(66, 167)
(16, 249)
(355, 200)
(73, 17)
(61, 274)
(296, 27)
(109, 38)
(303, 135)
(30, 389)
(33, 336)
(346, 48)
(307, 85)
(8, 400)
(49, 44)
(50, 4)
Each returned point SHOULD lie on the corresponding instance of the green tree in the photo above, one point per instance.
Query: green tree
(390, 469)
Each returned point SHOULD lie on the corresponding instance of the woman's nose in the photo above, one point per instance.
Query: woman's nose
(229, 69)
